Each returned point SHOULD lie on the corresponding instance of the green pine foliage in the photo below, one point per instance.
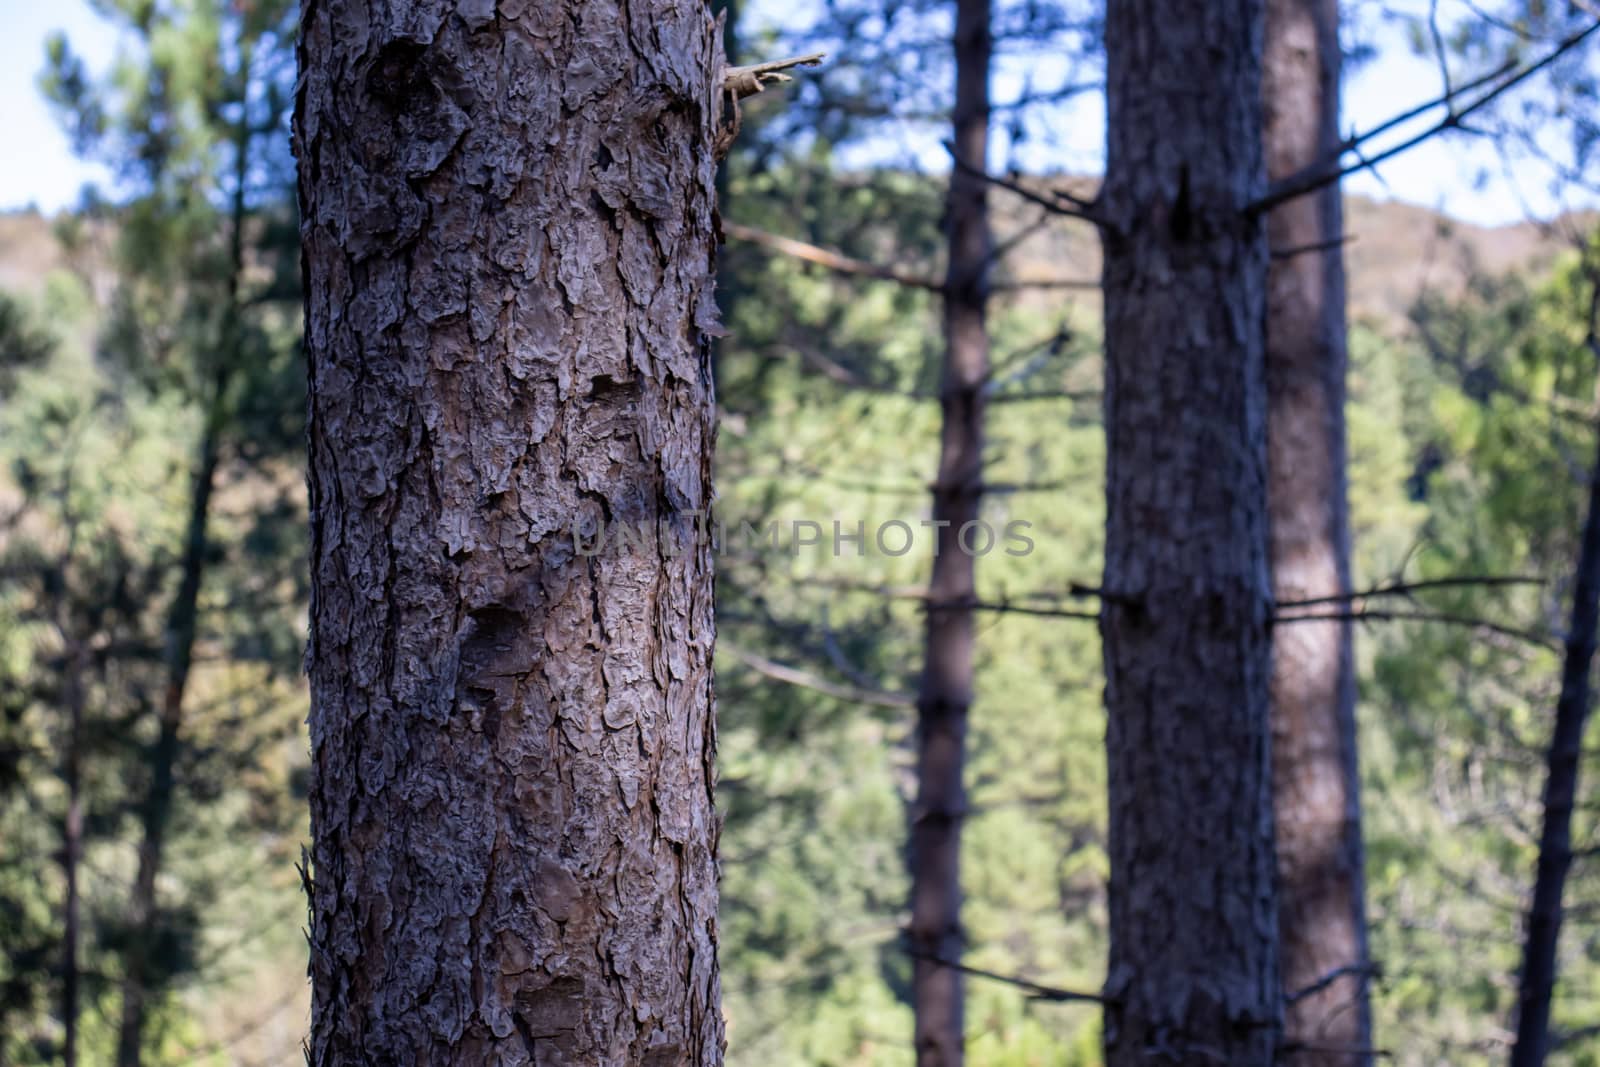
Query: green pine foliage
(1471, 432)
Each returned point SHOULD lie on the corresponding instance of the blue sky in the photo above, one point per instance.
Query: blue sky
(1460, 175)
(41, 168)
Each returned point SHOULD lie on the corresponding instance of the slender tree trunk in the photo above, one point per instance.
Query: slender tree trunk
(140, 977)
(945, 694)
(1316, 787)
(1193, 975)
(1538, 977)
(506, 222)
(183, 620)
(72, 852)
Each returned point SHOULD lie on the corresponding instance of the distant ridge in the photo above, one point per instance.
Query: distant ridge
(1397, 252)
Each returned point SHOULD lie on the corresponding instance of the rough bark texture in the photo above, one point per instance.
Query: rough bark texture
(1538, 978)
(507, 232)
(1193, 975)
(945, 693)
(1317, 798)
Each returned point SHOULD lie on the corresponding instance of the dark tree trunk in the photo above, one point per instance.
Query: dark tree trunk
(71, 856)
(1193, 975)
(1538, 977)
(142, 976)
(508, 248)
(1316, 788)
(945, 694)
(141, 979)
(72, 848)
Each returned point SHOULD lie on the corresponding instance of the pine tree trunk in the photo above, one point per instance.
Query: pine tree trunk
(1537, 981)
(1316, 787)
(508, 247)
(945, 694)
(1193, 975)
(142, 976)
(72, 846)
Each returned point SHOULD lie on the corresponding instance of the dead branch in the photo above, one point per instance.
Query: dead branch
(1315, 246)
(1290, 1048)
(1367, 615)
(1405, 589)
(823, 257)
(1035, 990)
(740, 82)
(1058, 201)
(1331, 169)
(1360, 970)
(806, 680)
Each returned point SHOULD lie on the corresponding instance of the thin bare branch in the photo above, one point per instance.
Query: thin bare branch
(1408, 588)
(1331, 169)
(1440, 54)
(1289, 1048)
(1366, 615)
(1084, 591)
(1003, 606)
(1035, 990)
(1480, 12)
(1004, 247)
(1030, 395)
(835, 371)
(1006, 607)
(1003, 370)
(1058, 201)
(837, 262)
(1315, 246)
(1563, 1038)
(804, 679)
(740, 82)
(1361, 970)
(1087, 284)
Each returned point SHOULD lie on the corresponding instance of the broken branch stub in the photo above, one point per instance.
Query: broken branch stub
(740, 82)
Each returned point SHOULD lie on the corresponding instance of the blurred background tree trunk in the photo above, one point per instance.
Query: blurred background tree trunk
(944, 696)
(1316, 782)
(1537, 981)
